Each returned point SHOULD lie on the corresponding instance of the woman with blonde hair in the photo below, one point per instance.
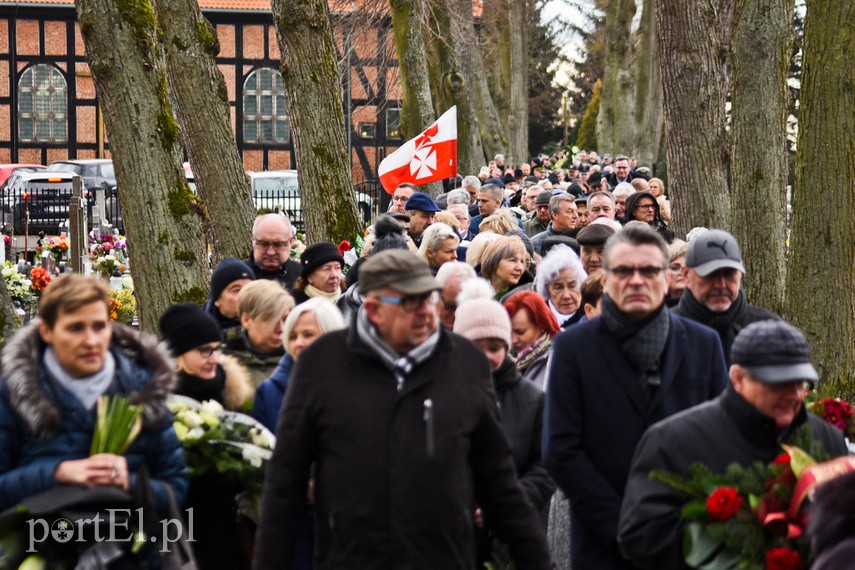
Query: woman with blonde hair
(503, 264)
(262, 308)
(501, 222)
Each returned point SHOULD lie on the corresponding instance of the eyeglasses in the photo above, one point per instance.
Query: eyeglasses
(265, 245)
(207, 351)
(399, 198)
(644, 207)
(625, 271)
(410, 302)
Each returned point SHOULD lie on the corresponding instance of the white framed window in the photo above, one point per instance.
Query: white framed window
(42, 105)
(265, 114)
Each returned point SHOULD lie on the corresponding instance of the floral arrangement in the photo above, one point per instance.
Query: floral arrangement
(123, 305)
(108, 253)
(39, 279)
(751, 517)
(351, 252)
(837, 412)
(17, 284)
(298, 246)
(58, 246)
(106, 265)
(233, 445)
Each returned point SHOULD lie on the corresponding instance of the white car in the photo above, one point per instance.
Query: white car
(278, 190)
(44, 195)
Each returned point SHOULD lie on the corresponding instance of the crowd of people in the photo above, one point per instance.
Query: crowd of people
(493, 378)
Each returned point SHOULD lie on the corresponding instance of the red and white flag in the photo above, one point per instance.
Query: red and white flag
(429, 157)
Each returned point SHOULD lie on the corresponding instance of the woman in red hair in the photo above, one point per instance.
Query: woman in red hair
(532, 327)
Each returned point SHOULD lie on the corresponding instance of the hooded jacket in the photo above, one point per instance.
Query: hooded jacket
(657, 223)
(42, 424)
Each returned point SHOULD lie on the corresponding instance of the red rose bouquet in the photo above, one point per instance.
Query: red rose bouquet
(751, 517)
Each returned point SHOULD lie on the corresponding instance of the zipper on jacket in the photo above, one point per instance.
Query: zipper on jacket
(427, 416)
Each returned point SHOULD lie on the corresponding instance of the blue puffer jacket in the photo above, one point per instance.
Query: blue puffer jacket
(42, 424)
(271, 392)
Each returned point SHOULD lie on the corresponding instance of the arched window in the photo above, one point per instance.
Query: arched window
(265, 115)
(42, 105)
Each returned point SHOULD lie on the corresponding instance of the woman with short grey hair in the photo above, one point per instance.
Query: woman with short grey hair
(559, 281)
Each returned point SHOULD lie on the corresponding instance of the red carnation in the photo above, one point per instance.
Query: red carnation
(782, 459)
(343, 246)
(723, 503)
(783, 558)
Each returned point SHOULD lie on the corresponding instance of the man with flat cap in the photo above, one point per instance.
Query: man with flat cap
(714, 296)
(399, 419)
(592, 241)
(539, 220)
(422, 210)
(761, 408)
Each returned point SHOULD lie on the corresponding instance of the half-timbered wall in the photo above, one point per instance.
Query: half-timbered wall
(49, 35)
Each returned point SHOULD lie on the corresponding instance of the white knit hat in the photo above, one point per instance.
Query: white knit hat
(483, 318)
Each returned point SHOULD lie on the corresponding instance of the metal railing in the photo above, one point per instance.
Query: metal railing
(48, 212)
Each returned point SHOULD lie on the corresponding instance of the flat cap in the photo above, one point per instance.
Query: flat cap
(543, 198)
(401, 270)
(594, 234)
(422, 202)
(773, 352)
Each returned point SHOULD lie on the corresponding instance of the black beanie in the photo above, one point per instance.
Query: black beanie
(185, 326)
(316, 255)
(229, 270)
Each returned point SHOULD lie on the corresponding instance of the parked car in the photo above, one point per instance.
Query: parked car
(44, 195)
(278, 190)
(95, 172)
(7, 170)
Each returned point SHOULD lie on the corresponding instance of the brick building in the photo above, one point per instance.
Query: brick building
(49, 111)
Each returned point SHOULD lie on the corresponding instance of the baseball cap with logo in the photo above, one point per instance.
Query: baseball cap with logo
(773, 352)
(713, 250)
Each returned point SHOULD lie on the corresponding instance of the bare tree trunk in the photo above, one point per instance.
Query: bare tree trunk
(519, 66)
(615, 121)
(163, 219)
(694, 41)
(648, 114)
(311, 84)
(450, 86)
(465, 42)
(761, 41)
(417, 110)
(190, 43)
(821, 269)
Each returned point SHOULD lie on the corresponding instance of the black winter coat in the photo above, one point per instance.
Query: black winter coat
(726, 430)
(397, 472)
(521, 408)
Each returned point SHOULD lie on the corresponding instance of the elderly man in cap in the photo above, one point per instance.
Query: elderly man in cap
(539, 220)
(592, 241)
(713, 296)
(761, 408)
(422, 210)
(399, 419)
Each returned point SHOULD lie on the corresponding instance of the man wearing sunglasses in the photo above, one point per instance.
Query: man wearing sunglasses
(612, 377)
(398, 421)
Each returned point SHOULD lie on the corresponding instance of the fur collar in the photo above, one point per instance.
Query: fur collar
(22, 368)
(239, 388)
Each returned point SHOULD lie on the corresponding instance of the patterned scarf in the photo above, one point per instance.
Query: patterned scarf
(401, 365)
(533, 351)
(642, 342)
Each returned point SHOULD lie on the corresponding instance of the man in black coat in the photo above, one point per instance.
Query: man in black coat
(610, 379)
(271, 250)
(713, 296)
(399, 419)
(761, 408)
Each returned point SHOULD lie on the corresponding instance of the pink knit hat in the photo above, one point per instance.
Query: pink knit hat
(483, 318)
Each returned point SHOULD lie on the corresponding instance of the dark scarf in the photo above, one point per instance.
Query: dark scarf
(200, 389)
(725, 323)
(642, 342)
